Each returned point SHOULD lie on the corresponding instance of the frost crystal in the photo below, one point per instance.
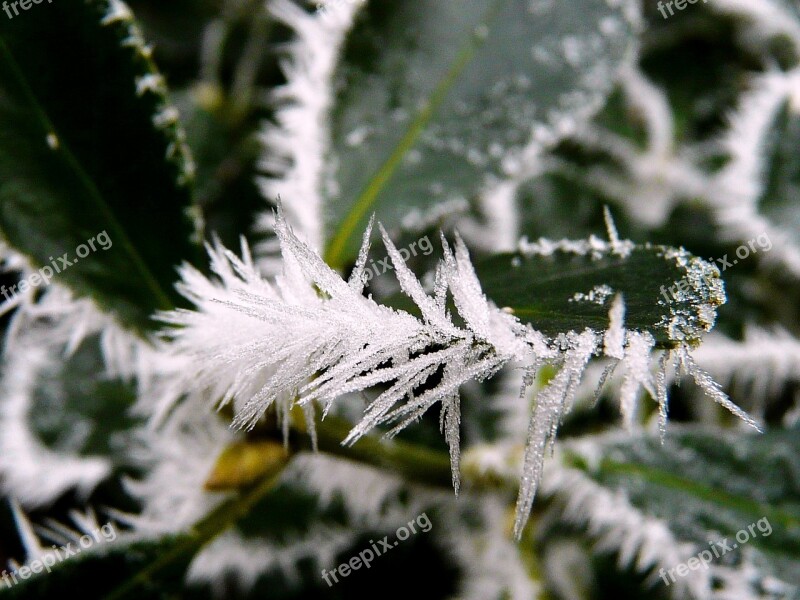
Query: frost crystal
(614, 340)
(309, 337)
(597, 295)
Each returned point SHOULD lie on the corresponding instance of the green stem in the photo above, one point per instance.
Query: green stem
(413, 462)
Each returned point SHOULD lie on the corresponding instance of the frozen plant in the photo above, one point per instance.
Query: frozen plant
(251, 404)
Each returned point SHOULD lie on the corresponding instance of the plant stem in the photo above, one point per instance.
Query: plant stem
(415, 463)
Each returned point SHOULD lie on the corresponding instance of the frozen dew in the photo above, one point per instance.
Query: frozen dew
(636, 374)
(309, 337)
(597, 295)
(614, 339)
(712, 389)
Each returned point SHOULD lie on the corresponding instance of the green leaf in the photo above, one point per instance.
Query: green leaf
(100, 570)
(566, 291)
(434, 97)
(707, 485)
(77, 411)
(90, 146)
(779, 200)
(168, 565)
(65, 424)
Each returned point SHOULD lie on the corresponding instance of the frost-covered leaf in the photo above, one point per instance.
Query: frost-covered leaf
(713, 49)
(755, 199)
(768, 20)
(296, 521)
(310, 337)
(56, 553)
(435, 97)
(91, 145)
(660, 505)
(563, 286)
(99, 572)
(64, 423)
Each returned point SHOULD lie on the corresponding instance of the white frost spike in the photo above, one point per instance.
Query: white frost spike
(30, 541)
(450, 424)
(760, 366)
(713, 389)
(11, 262)
(636, 366)
(614, 339)
(357, 279)
(617, 247)
(313, 337)
(661, 394)
(545, 419)
(35, 537)
(432, 312)
(608, 371)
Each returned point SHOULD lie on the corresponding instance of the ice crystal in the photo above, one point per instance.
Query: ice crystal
(597, 295)
(309, 337)
(761, 364)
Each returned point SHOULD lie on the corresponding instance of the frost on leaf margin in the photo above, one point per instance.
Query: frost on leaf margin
(295, 147)
(638, 522)
(311, 337)
(740, 190)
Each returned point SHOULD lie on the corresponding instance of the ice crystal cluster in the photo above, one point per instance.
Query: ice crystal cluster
(267, 411)
(311, 337)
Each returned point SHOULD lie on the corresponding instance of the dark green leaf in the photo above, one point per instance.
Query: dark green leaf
(707, 485)
(77, 411)
(90, 146)
(569, 292)
(100, 570)
(434, 96)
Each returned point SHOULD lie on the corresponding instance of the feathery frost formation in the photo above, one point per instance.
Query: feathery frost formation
(309, 337)
(294, 165)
